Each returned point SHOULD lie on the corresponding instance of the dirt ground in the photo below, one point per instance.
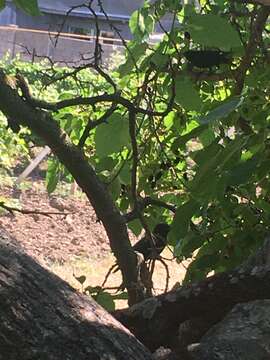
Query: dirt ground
(70, 243)
(73, 233)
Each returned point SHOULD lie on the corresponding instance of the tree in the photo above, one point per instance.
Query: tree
(42, 317)
(182, 126)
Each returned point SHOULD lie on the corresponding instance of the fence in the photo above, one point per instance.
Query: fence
(33, 45)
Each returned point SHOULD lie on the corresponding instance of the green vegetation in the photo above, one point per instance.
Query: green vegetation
(28, 6)
(177, 134)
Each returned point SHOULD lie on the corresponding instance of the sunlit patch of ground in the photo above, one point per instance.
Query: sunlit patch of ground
(96, 270)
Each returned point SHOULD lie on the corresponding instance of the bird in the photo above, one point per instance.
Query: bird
(207, 58)
(159, 236)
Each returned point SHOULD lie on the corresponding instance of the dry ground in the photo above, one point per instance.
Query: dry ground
(74, 243)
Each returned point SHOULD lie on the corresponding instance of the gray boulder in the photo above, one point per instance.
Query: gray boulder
(244, 334)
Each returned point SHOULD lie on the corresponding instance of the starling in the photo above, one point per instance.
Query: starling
(159, 236)
(207, 58)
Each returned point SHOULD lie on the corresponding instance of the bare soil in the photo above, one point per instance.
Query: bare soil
(74, 233)
(72, 242)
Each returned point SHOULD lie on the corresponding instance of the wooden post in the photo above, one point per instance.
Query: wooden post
(33, 164)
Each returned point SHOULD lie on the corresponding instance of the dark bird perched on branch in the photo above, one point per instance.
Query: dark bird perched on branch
(207, 58)
(159, 237)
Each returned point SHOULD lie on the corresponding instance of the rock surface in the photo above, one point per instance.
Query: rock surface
(244, 334)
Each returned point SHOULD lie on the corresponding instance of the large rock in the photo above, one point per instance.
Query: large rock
(244, 334)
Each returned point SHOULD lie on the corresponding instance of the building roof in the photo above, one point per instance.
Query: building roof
(115, 9)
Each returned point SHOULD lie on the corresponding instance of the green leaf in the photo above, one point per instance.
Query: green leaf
(213, 31)
(207, 262)
(81, 279)
(124, 204)
(264, 205)
(160, 60)
(207, 137)
(135, 52)
(135, 226)
(181, 222)
(263, 169)
(210, 180)
(221, 111)
(2, 4)
(194, 273)
(105, 163)
(105, 300)
(211, 247)
(188, 245)
(204, 183)
(125, 174)
(52, 175)
(186, 95)
(209, 188)
(182, 140)
(169, 119)
(115, 189)
(150, 24)
(242, 173)
(28, 6)
(113, 136)
(136, 22)
(172, 5)
(231, 153)
(208, 258)
(141, 23)
(207, 155)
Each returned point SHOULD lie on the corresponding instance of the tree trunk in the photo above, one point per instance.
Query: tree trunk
(45, 126)
(42, 317)
(155, 321)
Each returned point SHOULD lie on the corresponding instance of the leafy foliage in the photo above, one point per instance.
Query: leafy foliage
(2, 4)
(13, 147)
(213, 30)
(112, 136)
(202, 139)
(30, 7)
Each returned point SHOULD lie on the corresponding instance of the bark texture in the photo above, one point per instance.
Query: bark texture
(44, 125)
(42, 317)
(244, 334)
(156, 321)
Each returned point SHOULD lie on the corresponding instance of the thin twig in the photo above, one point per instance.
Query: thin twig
(250, 51)
(108, 275)
(167, 274)
(93, 124)
(143, 203)
(12, 209)
(114, 28)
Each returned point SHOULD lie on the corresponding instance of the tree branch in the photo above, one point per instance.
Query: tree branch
(12, 209)
(112, 98)
(132, 134)
(93, 124)
(250, 51)
(155, 321)
(45, 126)
(143, 203)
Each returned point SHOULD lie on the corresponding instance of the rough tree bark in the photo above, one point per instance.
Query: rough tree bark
(155, 322)
(42, 317)
(43, 124)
